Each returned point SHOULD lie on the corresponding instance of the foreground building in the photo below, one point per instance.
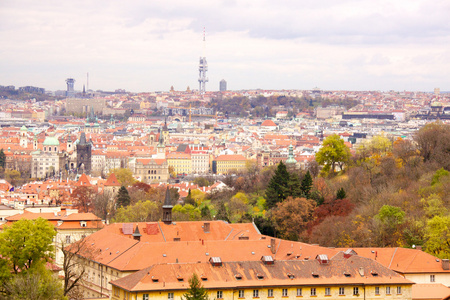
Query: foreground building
(321, 278)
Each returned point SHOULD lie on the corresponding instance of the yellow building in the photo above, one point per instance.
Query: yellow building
(224, 164)
(181, 162)
(340, 277)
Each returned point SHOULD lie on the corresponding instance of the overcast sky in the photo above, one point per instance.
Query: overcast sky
(150, 45)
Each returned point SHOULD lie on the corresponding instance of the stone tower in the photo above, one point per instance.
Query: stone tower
(84, 152)
(167, 209)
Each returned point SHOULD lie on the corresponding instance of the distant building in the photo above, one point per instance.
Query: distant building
(84, 152)
(223, 85)
(82, 105)
(70, 87)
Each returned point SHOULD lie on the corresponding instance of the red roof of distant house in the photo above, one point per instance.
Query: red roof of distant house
(83, 181)
(112, 180)
(268, 123)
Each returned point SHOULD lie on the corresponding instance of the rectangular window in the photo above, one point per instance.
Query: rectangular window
(170, 296)
(399, 290)
(355, 291)
(313, 292)
(284, 293)
(241, 294)
(299, 292)
(341, 291)
(255, 293)
(327, 292)
(270, 293)
(219, 294)
(432, 278)
(145, 297)
(377, 290)
(388, 290)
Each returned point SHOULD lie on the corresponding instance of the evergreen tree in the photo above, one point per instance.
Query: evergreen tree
(2, 158)
(196, 291)
(307, 183)
(189, 199)
(277, 190)
(294, 186)
(341, 194)
(222, 213)
(123, 199)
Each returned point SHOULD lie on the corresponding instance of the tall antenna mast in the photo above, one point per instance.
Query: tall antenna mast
(87, 81)
(202, 68)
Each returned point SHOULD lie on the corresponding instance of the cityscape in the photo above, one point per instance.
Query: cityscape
(178, 152)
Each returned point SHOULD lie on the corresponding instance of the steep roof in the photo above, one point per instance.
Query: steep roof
(112, 180)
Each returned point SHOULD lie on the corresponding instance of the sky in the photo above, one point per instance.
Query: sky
(146, 46)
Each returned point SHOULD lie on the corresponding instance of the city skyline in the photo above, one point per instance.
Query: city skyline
(140, 46)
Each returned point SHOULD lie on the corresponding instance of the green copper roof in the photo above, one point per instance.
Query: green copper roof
(51, 141)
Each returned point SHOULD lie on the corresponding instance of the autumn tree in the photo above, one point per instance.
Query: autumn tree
(433, 142)
(84, 197)
(196, 290)
(333, 153)
(75, 271)
(291, 217)
(124, 176)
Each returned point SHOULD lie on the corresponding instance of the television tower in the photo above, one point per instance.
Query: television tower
(202, 68)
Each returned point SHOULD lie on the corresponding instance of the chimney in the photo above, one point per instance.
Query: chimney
(272, 246)
(206, 227)
(419, 248)
(445, 264)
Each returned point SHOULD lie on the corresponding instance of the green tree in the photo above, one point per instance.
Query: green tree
(39, 284)
(122, 198)
(186, 212)
(142, 211)
(437, 235)
(2, 158)
(307, 184)
(389, 220)
(333, 153)
(196, 290)
(26, 244)
(438, 175)
(277, 189)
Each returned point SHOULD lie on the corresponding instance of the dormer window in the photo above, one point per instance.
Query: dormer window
(83, 223)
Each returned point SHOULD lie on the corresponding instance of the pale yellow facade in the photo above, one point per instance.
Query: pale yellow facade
(225, 166)
(443, 278)
(293, 292)
(181, 165)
